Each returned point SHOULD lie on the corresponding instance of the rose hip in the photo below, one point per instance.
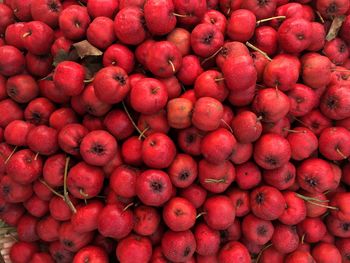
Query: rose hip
(98, 147)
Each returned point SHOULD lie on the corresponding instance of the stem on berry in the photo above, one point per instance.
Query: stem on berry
(65, 191)
(172, 65)
(341, 153)
(269, 19)
(293, 131)
(132, 121)
(180, 15)
(258, 50)
(200, 214)
(128, 206)
(212, 56)
(261, 251)
(314, 201)
(226, 124)
(12, 153)
(51, 189)
(215, 181)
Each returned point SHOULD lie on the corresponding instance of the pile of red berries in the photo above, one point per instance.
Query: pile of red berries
(175, 130)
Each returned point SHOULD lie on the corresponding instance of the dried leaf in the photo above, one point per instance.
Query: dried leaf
(335, 27)
(92, 65)
(62, 55)
(84, 49)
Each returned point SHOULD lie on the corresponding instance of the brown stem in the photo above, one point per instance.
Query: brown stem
(216, 181)
(261, 251)
(8, 229)
(303, 123)
(128, 206)
(335, 27)
(269, 19)
(276, 89)
(325, 206)
(340, 70)
(143, 132)
(260, 85)
(89, 80)
(320, 17)
(172, 65)
(36, 156)
(13, 237)
(327, 192)
(226, 124)
(132, 121)
(325, 215)
(51, 189)
(47, 77)
(293, 131)
(302, 238)
(81, 3)
(83, 194)
(180, 15)
(219, 79)
(12, 153)
(306, 198)
(258, 50)
(314, 201)
(212, 56)
(26, 34)
(65, 191)
(341, 154)
(200, 214)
